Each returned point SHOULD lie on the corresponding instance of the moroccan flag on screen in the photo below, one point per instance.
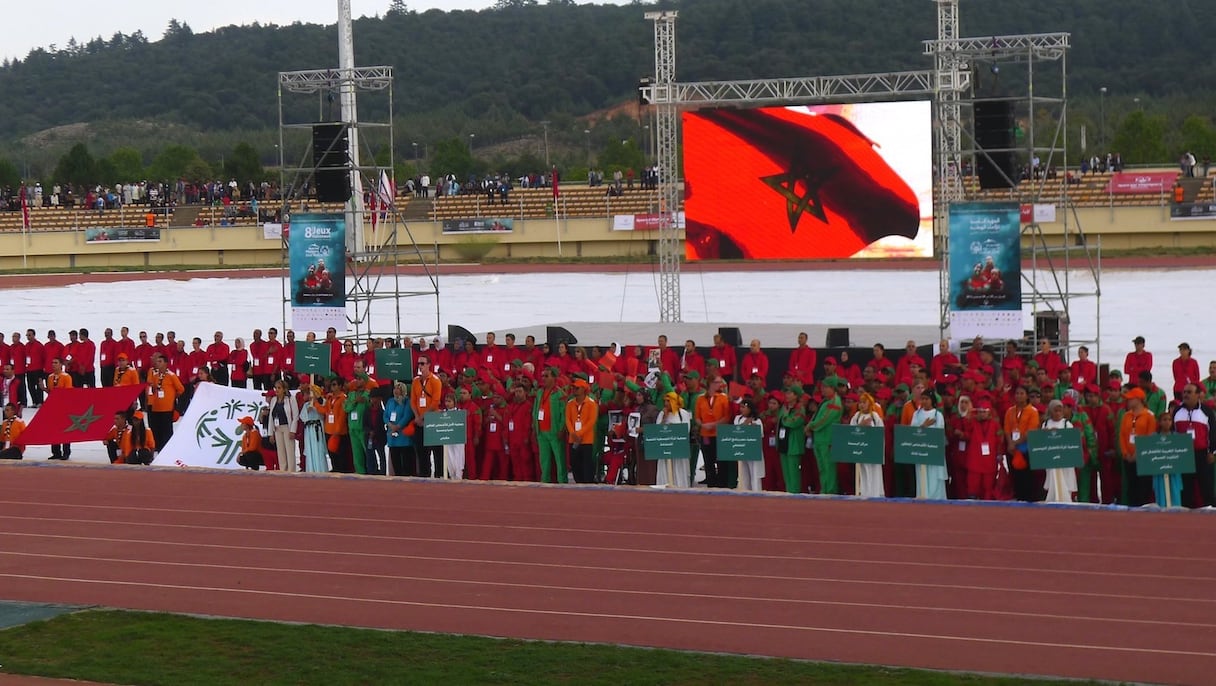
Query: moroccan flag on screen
(777, 183)
(77, 415)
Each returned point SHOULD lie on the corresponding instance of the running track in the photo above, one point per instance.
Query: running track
(1077, 593)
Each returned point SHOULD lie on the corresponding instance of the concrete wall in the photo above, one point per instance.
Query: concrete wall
(1121, 228)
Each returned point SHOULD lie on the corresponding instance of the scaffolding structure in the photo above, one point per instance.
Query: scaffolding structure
(375, 295)
(952, 85)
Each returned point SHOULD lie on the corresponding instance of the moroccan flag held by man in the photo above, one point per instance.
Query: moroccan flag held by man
(78, 415)
(778, 183)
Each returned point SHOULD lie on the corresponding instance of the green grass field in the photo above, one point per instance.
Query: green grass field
(146, 648)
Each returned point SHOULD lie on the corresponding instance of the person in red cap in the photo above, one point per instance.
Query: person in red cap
(773, 480)
(984, 441)
(1103, 420)
(124, 373)
(1138, 360)
(251, 444)
(1186, 370)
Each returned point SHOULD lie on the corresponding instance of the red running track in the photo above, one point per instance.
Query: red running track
(1124, 596)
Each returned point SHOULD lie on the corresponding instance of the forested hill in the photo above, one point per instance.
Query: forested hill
(531, 61)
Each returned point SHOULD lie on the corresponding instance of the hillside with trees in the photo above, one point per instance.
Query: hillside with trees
(499, 72)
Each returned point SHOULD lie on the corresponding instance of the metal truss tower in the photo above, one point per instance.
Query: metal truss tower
(666, 128)
(374, 292)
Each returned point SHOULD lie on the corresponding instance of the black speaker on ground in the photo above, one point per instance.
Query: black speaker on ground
(457, 335)
(331, 162)
(837, 338)
(558, 334)
(996, 166)
(731, 336)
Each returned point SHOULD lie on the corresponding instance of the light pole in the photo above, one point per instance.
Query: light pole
(415, 153)
(471, 137)
(1102, 120)
(649, 154)
(1139, 107)
(587, 137)
(545, 124)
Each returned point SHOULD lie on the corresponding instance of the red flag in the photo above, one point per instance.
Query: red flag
(778, 183)
(25, 211)
(78, 415)
(372, 206)
(556, 192)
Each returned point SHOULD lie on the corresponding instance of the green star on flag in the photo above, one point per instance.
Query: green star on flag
(82, 422)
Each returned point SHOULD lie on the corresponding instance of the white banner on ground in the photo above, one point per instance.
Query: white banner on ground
(206, 435)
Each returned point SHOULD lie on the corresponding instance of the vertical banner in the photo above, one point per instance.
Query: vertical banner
(317, 255)
(985, 270)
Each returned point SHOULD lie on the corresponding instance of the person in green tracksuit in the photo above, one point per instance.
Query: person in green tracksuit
(548, 420)
(829, 414)
(791, 440)
(1089, 445)
(357, 403)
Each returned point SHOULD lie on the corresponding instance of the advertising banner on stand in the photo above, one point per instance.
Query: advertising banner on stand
(317, 257)
(478, 225)
(118, 234)
(985, 270)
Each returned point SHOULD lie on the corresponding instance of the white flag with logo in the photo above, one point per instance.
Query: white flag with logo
(206, 435)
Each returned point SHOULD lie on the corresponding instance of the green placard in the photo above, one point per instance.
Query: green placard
(394, 363)
(666, 441)
(312, 358)
(920, 445)
(1165, 454)
(444, 427)
(1055, 448)
(740, 442)
(858, 444)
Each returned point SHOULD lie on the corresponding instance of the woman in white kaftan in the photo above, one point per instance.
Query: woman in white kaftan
(673, 473)
(750, 471)
(1061, 483)
(930, 479)
(868, 481)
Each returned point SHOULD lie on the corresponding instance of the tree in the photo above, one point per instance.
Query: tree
(243, 164)
(77, 167)
(452, 156)
(128, 164)
(10, 176)
(1198, 137)
(397, 8)
(1141, 139)
(626, 154)
(172, 162)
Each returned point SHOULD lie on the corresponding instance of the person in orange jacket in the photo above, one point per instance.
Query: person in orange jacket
(581, 413)
(131, 443)
(10, 433)
(710, 410)
(58, 378)
(333, 420)
(164, 388)
(1020, 420)
(251, 444)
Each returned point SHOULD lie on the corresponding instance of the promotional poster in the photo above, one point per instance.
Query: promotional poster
(985, 270)
(317, 255)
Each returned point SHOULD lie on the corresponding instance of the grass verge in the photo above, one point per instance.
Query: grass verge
(121, 647)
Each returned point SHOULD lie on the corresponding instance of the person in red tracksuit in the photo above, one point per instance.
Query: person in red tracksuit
(196, 359)
(257, 361)
(29, 360)
(143, 355)
(108, 351)
(274, 357)
(218, 353)
(754, 362)
(521, 444)
(493, 461)
(802, 362)
(84, 360)
(728, 363)
(985, 443)
(125, 344)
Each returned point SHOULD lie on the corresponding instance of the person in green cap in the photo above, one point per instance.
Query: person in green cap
(829, 413)
(356, 405)
(791, 439)
(548, 418)
(692, 390)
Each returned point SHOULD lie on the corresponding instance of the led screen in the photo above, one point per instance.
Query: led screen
(824, 181)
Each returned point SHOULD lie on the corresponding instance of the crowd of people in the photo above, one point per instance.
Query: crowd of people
(540, 414)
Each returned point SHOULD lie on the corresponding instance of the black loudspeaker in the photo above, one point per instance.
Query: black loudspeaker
(331, 162)
(837, 338)
(457, 335)
(996, 166)
(558, 334)
(1052, 326)
(731, 336)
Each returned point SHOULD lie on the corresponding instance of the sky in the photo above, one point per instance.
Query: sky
(29, 25)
